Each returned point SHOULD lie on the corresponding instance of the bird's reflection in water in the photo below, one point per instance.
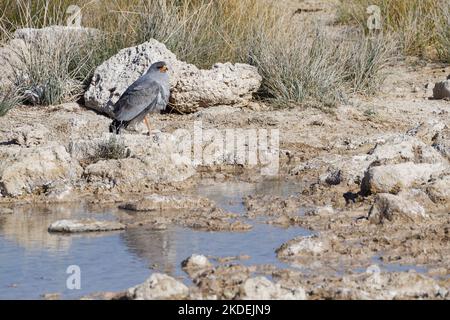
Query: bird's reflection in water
(158, 247)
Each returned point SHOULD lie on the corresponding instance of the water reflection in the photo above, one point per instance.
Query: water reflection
(28, 228)
(33, 261)
(158, 248)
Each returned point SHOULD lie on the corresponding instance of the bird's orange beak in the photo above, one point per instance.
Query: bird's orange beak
(163, 69)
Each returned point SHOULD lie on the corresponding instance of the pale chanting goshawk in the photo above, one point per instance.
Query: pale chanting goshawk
(149, 93)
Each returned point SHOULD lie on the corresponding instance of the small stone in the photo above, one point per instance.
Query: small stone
(320, 211)
(158, 287)
(439, 190)
(196, 261)
(301, 245)
(51, 296)
(260, 288)
(442, 90)
(195, 265)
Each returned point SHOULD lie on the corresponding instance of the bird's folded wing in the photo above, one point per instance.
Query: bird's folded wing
(136, 99)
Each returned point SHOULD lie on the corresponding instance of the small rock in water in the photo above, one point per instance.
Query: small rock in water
(51, 296)
(301, 246)
(86, 225)
(196, 261)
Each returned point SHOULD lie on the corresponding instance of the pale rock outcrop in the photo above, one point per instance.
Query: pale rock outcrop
(404, 148)
(387, 286)
(411, 285)
(86, 225)
(339, 169)
(27, 170)
(134, 173)
(191, 88)
(158, 287)
(395, 163)
(388, 206)
(149, 160)
(393, 178)
(401, 162)
(260, 288)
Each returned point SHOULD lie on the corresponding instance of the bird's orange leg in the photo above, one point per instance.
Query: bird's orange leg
(147, 124)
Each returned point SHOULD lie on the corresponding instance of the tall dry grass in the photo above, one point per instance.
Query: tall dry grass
(443, 36)
(198, 31)
(367, 59)
(205, 32)
(306, 64)
(299, 63)
(421, 25)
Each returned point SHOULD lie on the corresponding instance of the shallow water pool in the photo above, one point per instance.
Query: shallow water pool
(34, 262)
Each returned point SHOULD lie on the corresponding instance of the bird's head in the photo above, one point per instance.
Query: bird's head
(159, 66)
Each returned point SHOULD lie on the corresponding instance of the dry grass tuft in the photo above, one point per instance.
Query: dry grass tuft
(112, 148)
(8, 100)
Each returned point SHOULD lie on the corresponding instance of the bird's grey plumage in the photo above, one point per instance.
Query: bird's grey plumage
(149, 93)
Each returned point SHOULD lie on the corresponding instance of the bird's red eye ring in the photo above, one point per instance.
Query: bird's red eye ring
(163, 69)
